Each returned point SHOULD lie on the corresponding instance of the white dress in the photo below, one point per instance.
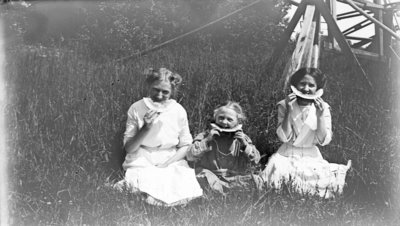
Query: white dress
(174, 184)
(299, 160)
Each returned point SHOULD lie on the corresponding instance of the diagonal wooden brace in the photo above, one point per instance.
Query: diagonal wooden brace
(333, 27)
(286, 35)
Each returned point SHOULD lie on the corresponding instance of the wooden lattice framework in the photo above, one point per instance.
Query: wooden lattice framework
(306, 54)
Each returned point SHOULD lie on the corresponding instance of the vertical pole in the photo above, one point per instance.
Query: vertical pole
(4, 214)
(317, 40)
(387, 39)
(378, 14)
(332, 7)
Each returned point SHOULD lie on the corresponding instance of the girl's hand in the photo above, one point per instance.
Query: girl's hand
(253, 156)
(149, 117)
(289, 98)
(241, 137)
(213, 132)
(319, 104)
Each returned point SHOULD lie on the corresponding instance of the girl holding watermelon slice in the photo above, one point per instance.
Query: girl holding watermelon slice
(304, 122)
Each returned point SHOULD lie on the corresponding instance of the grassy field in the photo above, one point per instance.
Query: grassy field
(66, 115)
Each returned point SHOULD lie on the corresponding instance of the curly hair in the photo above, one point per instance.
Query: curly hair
(234, 106)
(163, 74)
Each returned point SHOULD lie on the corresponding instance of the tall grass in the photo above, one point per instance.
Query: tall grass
(66, 117)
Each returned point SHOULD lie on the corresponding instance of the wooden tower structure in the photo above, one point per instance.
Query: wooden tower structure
(378, 47)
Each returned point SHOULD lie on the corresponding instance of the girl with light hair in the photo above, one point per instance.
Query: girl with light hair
(223, 155)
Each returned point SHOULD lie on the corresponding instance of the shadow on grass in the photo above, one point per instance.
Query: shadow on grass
(117, 156)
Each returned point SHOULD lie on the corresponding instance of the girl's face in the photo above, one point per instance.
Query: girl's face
(307, 85)
(160, 91)
(226, 118)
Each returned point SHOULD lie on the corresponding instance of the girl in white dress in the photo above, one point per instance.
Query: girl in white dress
(304, 120)
(156, 140)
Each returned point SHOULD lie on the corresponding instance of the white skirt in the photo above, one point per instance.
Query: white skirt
(173, 184)
(307, 175)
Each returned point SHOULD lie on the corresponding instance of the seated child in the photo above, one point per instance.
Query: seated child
(222, 155)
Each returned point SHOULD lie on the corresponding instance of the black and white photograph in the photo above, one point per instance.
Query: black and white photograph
(200, 112)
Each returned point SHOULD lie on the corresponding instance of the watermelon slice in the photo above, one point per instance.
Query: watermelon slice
(226, 130)
(154, 105)
(307, 96)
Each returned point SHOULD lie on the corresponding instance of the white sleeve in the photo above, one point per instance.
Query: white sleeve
(326, 116)
(185, 138)
(279, 131)
(132, 124)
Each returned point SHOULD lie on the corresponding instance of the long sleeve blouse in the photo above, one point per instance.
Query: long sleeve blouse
(304, 131)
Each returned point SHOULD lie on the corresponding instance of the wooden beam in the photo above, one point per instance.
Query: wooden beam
(303, 53)
(317, 41)
(294, 2)
(357, 38)
(367, 55)
(365, 4)
(360, 43)
(286, 34)
(311, 46)
(352, 4)
(332, 8)
(332, 26)
(342, 16)
(389, 22)
(379, 32)
(357, 27)
(347, 13)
